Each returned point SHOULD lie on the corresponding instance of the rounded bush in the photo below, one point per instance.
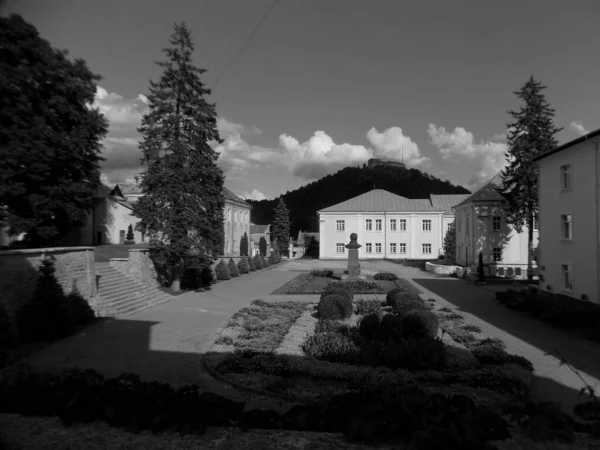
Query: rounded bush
(257, 262)
(327, 273)
(387, 276)
(272, 258)
(233, 268)
(334, 307)
(338, 289)
(417, 323)
(222, 271)
(264, 261)
(334, 347)
(243, 266)
(369, 327)
(251, 264)
(403, 302)
(391, 328)
(391, 293)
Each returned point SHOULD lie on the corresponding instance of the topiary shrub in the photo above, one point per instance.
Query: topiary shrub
(272, 259)
(403, 302)
(207, 277)
(417, 323)
(233, 268)
(369, 327)
(251, 264)
(243, 266)
(9, 332)
(327, 273)
(222, 271)
(82, 312)
(334, 307)
(334, 347)
(264, 261)
(386, 276)
(366, 307)
(391, 293)
(257, 262)
(391, 328)
(338, 289)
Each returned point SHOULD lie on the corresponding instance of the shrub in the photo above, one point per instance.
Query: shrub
(233, 268)
(334, 307)
(264, 261)
(130, 239)
(369, 327)
(334, 347)
(412, 354)
(9, 332)
(251, 264)
(327, 326)
(272, 259)
(458, 334)
(490, 354)
(417, 323)
(338, 289)
(391, 293)
(328, 273)
(257, 262)
(366, 307)
(387, 276)
(472, 328)
(357, 286)
(222, 271)
(403, 302)
(243, 266)
(207, 276)
(391, 329)
(82, 312)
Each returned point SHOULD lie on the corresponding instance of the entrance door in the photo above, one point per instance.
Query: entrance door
(121, 236)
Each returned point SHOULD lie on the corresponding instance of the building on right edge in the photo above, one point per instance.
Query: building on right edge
(569, 215)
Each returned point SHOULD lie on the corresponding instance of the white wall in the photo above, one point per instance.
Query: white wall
(581, 202)
(413, 237)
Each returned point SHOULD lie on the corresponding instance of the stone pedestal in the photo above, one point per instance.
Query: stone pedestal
(353, 264)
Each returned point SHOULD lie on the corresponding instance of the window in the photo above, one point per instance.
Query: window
(378, 247)
(565, 177)
(369, 247)
(340, 248)
(228, 247)
(567, 276)
(566, 226)
(497, 254)
(392, 247)
(377, 224)
(234, 246)
(535, 224)
(426, 225)
(340, 225)
(496, 223)
(467, 225)
(368, 224)
(228, 215)
(448, 227)
(426, 249)
(402, 247)
(402, 224)
(392, 224)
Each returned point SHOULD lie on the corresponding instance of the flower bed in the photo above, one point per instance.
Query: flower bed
(317, 359)
(311, 284)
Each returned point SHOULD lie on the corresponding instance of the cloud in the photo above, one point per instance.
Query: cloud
(254, 195)
(486, 158)
(578, 128)
(393, 145)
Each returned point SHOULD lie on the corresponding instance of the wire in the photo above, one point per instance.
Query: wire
(243, 49)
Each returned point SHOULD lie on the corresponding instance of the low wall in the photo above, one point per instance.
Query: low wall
(75, 270)
(138, 266)
(442, 269)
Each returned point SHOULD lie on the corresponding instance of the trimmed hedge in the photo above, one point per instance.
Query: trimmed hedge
(338, 289)
(222, 271)
(243, 266)
(404, 302)
(251, 264)
(327, 273)
(233, 268)
(386, 276)
(391, 293)
(334, 307)
(334, 347)
(419, 323)
(257, 262)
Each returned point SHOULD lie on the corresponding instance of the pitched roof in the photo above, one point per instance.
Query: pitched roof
(103, 191)
(231, 196)
(379, 200)
(487, 192)
(446, 202)
(579, 140)
(258, 229)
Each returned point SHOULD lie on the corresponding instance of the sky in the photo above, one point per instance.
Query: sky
(327, 84)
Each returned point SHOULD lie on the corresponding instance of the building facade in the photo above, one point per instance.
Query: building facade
(236, 223)
(481, 226)
(569, 215)
(387, 225)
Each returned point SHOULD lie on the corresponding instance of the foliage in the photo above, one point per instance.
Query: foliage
(387, 276)
(480, 272)
(530, 134)
(404, 302)
(45, 99)
(244, 245)
(182, 207)
(222, 271)
(83, 314)
(281, 226)
(391, 293)
(365, 307)
(338, 289)
(251, 264)
(419, 323)
(490, 354)
(49, 314)
(334, 347)
(334, 307)
(264, 261)
(9, 332)
(243, 266)
(327, 273)
(450, 243)
(207, 276)
(257, 262)
(262, 246)
(130, 236)
(233, 269)
(360, 286)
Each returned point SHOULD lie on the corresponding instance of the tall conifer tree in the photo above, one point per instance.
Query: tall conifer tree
(281, 227)
(182, 207)
(530, 134)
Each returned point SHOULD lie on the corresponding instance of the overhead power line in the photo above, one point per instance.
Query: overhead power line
(245, 46)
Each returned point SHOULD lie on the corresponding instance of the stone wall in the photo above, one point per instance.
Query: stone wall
(442, 269)
(75, 269)
(139, 266)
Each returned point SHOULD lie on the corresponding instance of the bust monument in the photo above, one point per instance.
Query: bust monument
(353, 264)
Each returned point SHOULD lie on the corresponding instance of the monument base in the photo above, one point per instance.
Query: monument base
(350, 278)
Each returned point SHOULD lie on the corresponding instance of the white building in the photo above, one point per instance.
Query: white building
(569, 215)
(481, 227)
(387, 225)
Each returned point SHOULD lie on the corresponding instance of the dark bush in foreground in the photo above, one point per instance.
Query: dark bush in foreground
(328, 273)
(243, 266)
(418, 323)
(233, 269)
(490, 354)
(222, 271)
(334, 307)
(82, 312)
(391, 293)
(385, 276)
(9, 332)
(338, 289)
(404, 302)
(366, 307)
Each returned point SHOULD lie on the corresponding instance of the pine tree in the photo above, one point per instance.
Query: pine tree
(281, 227)
(50, 137)
(531, 134)
(450, 243)
(130, 237)
(182, 207)
(262, 245)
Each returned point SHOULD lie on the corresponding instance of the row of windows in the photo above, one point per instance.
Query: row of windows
(393, 248)
(496, 224)
(241, 216)
(395, 225)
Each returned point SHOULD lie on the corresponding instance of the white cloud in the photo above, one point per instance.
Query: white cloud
(393, 145)
(254, 195)
(486, 158)
(577, 127)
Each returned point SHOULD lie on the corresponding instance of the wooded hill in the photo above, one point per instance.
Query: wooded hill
(345, 184)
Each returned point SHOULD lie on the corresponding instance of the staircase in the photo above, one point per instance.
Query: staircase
(120, 294)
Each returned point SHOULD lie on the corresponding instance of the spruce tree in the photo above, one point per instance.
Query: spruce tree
(450, 243)
(530, 134)
(182, 207)
(130, 236)
(281, 227)
(262, 245)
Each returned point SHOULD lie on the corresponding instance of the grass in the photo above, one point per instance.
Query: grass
(307, 284)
